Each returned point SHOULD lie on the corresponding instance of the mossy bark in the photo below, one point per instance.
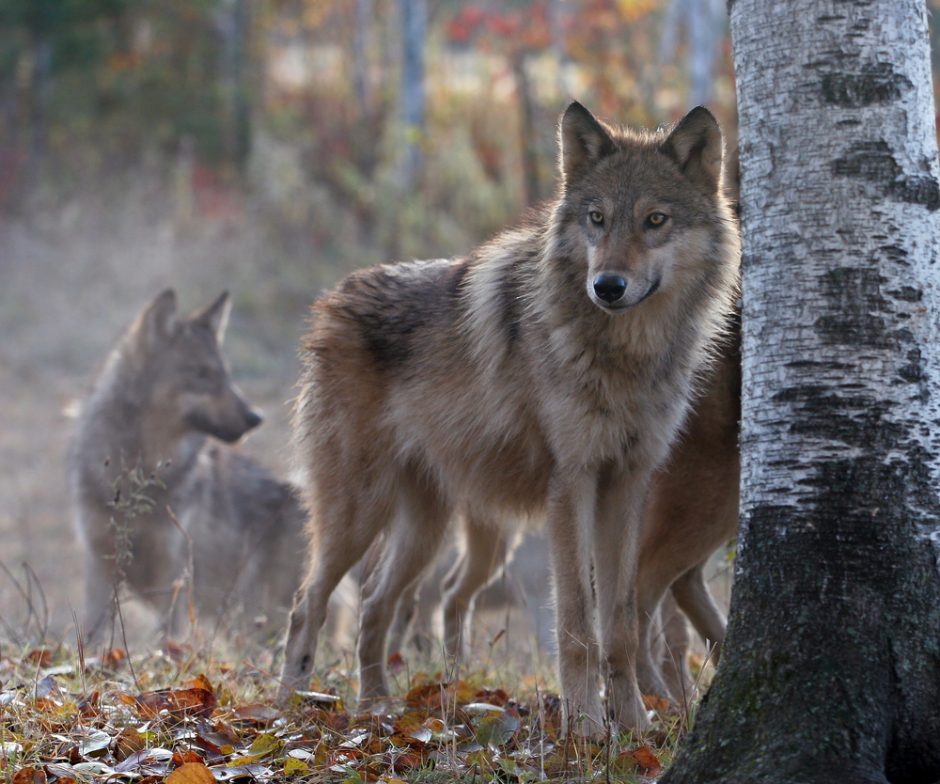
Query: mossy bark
(831, 669)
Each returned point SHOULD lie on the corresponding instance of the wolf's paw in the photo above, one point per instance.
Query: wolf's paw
(626, 709)
(295, 676)
(584, 721)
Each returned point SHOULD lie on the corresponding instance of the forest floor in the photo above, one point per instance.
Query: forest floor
(203, 709)
(187, 716)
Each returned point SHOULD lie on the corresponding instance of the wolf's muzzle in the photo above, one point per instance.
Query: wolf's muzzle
(610, 288)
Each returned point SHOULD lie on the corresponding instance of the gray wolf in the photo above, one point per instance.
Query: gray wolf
(157, 493)
(544, 375)
(692, 511)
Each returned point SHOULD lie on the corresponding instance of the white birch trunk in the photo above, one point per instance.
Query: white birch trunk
(831, 671)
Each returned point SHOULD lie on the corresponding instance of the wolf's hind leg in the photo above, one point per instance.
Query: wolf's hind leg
(410, 546)
(675, 651)
(692, 595)
(651, 586)
(483, 550)
(342, 531)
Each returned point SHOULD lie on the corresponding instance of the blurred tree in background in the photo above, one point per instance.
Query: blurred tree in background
(420, 126)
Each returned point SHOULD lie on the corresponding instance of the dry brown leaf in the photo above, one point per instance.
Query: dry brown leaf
(395, 663)
(257, 713)
(658, 704)
(41, 657)
(128, 741)
(185, 757)
(29, 775)
(492, 696)
(191, 773)
(195, 701)
(113, 658)
(88, 705)
(177, 652)
(647, 761)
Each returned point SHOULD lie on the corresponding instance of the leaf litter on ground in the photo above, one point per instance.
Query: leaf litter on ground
(190, 719)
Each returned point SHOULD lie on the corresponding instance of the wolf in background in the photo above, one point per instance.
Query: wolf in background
(543, 376)
(147, 450)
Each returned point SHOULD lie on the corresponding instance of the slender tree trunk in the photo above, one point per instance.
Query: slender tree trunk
(831, 668)
(527, 134)
(705, 31)
(360, 55)
(234, 25)
(414, 31)
(40, 88)
(556, 21)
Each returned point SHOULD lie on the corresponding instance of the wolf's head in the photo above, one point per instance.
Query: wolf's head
(182, 364)
(636, 208)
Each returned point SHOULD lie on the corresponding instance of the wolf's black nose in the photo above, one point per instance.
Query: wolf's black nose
(253, 419)
(609, 287)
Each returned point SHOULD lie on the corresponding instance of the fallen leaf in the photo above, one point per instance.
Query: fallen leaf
(93, 742)
(647, 761)
(88, 705)
(29, 776)
(655, 703)
(258, 772)
(257, 713)
(126, 742)
(149, 761)
(39, 656)
(395, 662)
(187, 756)
(177, 652)
(113, 658)
(195, 701)
(293, 765)
(191, 773)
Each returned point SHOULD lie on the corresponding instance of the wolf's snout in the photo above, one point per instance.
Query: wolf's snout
(252, 420)
(610, 287)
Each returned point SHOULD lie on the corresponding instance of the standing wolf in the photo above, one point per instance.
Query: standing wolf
(142, 454)
(691, 511)
(546, 374)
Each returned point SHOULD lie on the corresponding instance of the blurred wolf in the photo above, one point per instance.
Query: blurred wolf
(154, 496)
(545, 375)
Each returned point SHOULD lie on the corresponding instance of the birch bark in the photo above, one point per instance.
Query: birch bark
(831, 669)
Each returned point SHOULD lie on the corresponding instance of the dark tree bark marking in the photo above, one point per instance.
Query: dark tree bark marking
(873, 84)
(874, 162)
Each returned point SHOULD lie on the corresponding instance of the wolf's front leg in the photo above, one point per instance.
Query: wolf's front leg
(101, 581)
(620, 502)
(571, 505)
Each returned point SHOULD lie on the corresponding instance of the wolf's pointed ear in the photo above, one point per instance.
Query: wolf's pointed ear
(582, 139)
(215, 316)
(695, 145)
(155, 324)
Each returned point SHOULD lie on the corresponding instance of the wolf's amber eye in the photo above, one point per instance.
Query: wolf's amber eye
(597, 217)
(656, 219)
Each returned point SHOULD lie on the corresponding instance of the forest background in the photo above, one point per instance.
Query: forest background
(268, 148)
